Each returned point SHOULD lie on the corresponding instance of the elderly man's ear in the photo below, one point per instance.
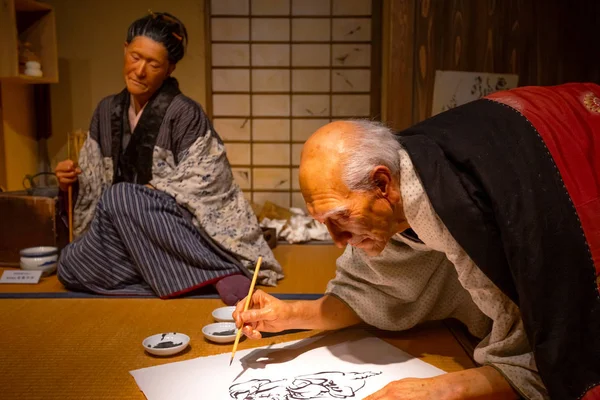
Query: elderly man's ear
(382, 177)
(386, 186)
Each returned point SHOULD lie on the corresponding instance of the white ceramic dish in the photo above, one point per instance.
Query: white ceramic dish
(224, 314)
(220, 332)
(46, 264)
(166, 344)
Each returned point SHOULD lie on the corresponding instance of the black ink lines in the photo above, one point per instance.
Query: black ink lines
(321, 385)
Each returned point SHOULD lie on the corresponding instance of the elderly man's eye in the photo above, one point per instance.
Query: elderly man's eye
(344, 217)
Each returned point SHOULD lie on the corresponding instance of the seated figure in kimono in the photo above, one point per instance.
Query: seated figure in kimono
(156, 208)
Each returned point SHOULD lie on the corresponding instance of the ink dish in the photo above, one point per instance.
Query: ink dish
(220, 332)
(166, 344)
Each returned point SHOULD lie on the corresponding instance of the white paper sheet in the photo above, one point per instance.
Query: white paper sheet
(343, 365)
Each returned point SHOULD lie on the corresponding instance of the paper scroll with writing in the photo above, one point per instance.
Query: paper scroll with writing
(455, 88)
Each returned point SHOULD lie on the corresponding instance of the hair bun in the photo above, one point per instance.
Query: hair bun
(164, 28)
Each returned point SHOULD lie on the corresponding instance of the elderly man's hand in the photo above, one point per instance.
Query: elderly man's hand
(416, 389)
(476, 383)
(265, 314)
(268, 314)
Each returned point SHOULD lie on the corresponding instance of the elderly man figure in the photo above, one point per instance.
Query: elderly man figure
(488, 213)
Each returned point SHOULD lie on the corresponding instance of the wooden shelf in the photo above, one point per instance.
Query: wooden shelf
(29, 79)
(31, 5)
(33, 22)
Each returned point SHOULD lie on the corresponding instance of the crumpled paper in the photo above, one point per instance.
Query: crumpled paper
(299, 228)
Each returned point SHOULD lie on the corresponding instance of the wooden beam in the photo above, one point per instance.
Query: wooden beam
(400, 63)
(3, 181)
(9, 58)
(426, 50)
(377, 32)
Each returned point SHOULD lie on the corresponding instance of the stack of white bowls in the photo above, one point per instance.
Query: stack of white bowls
(33, 68)
(41, 258)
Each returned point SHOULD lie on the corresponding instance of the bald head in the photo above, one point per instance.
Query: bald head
(348, 151)
(323, 155)
(331, 137)
(349, 176)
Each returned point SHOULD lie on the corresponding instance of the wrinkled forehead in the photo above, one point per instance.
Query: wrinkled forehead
(330, 208)
(323, 213)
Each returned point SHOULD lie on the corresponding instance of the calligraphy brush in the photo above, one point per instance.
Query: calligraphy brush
(77, 138)
(237, 337)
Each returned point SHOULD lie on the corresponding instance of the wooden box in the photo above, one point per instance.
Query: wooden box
(28, 221)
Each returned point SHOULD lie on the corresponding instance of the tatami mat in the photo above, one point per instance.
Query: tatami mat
(84, 349)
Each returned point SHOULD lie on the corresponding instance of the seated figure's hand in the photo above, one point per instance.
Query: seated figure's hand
(66, 172)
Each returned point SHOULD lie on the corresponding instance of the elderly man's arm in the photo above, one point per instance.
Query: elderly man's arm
(269, 314)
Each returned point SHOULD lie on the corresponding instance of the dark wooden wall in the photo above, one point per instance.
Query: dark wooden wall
(545, 42)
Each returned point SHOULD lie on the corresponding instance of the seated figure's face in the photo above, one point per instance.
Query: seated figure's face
(146, 66)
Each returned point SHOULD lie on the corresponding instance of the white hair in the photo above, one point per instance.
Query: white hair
(372, 144)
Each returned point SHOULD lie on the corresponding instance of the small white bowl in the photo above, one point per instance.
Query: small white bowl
(217, 332)
(39, 251)
(46, 264)
(166, 344)
(224, 314)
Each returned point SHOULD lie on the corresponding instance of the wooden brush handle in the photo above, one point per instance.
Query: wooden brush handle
(70, 206)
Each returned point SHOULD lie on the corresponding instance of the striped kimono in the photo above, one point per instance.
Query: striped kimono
(157, 209)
